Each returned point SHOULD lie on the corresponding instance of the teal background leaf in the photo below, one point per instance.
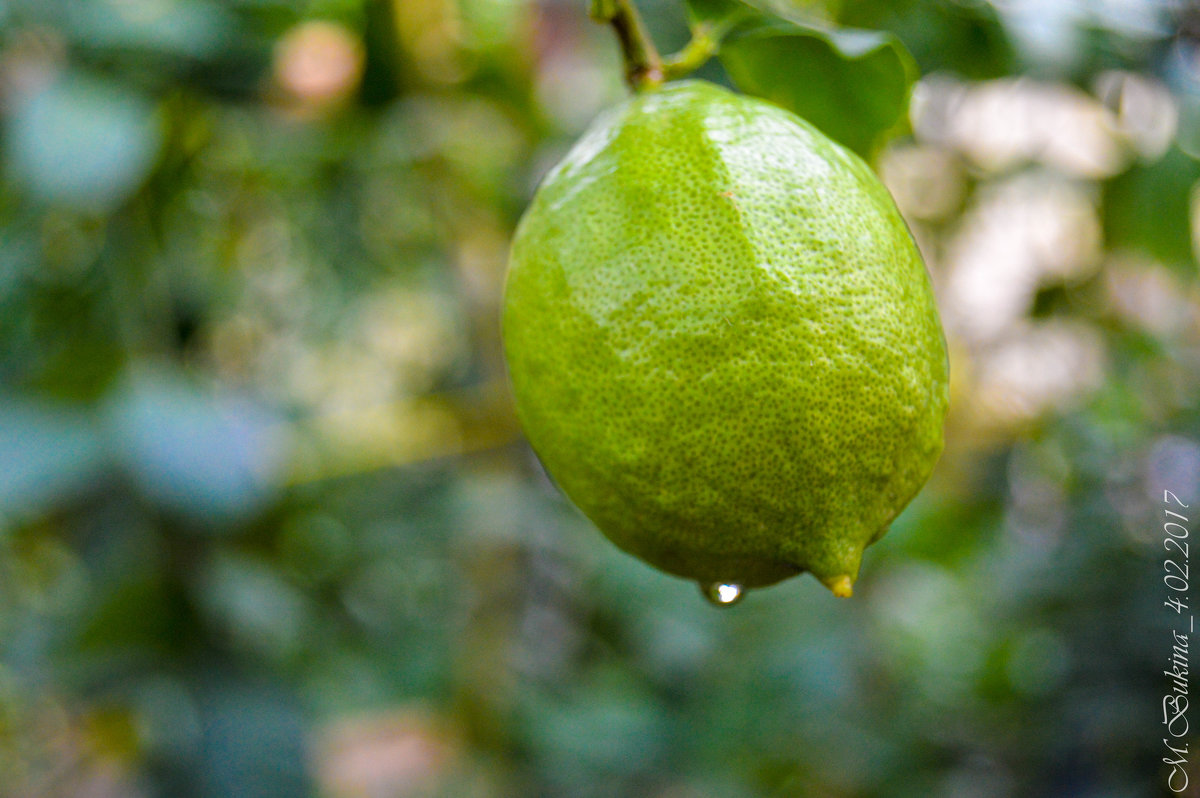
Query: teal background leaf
(203, 454)
(83, 142)
(46, 454)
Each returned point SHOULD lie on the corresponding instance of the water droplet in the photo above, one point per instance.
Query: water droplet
(722, 594)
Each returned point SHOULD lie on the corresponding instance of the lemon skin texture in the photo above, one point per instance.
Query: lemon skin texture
(722, 340)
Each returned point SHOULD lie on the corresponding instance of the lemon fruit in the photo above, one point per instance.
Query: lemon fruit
(723, 342)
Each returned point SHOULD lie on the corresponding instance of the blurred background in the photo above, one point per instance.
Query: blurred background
(268, 526)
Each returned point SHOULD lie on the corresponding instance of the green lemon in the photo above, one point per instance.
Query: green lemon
(723, 342)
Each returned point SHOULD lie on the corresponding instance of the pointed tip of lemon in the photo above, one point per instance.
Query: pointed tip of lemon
(841, 586)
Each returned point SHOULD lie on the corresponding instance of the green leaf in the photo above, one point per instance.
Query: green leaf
(1148, 208)
(966, 38)
(753, 11)
(852, 84)
(135, 614)
(853, 87)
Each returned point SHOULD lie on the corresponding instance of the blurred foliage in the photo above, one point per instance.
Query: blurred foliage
(267, 523)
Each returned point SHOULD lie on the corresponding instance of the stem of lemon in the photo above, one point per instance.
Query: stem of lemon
(704, 44)
(643, 64)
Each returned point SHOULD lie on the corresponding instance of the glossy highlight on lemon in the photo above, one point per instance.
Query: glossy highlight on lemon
(722, 340)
